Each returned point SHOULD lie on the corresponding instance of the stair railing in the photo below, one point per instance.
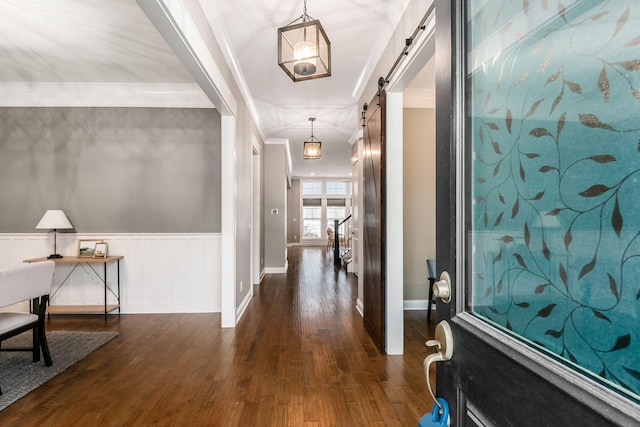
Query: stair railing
(343, 235)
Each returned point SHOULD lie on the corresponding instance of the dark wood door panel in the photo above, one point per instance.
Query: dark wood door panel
(374, 220)
(499, 390)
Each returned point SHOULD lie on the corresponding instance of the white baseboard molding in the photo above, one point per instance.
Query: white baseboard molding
(166, 308)
(408, 305)
(313, 243)
(417, 304)
(243, 305)
(261, 277)
(277, 270)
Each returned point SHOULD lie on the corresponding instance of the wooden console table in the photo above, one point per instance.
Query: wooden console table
(76, 261)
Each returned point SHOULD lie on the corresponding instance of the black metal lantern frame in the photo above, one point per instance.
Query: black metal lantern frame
(304, 50)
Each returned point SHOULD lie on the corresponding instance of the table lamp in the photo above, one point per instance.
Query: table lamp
(54, 220)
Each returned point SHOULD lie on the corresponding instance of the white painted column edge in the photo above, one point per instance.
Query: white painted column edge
(394, 226)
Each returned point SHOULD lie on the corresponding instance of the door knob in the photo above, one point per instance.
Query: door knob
(442, 288)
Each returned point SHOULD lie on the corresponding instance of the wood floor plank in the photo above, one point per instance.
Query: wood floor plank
(299, 357)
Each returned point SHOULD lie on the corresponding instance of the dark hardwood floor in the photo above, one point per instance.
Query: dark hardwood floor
(299, 357)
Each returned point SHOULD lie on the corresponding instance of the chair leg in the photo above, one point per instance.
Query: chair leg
(36, 345)
(40, 332)
(430, 299)
(42, 338)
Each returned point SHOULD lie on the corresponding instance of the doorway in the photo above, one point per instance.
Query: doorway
(256, 209)
(419, 183)
(405, 195)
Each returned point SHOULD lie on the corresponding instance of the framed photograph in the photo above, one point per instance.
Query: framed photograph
(100, 250)
(86, 248)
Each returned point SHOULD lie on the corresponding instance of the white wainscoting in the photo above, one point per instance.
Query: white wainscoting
(160, 273)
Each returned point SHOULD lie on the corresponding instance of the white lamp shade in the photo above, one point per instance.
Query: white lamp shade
(54, 220)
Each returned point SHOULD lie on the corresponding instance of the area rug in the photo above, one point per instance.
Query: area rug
(19, 375)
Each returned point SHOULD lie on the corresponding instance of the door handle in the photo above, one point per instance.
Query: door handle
(444, 351)
(442, 288)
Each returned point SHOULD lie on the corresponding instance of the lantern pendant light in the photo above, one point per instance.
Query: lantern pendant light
(312, 149)
(304, 50)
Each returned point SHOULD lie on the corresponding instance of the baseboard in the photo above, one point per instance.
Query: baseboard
(167, 308)
(277, 270)
(307, 244)
(409, 305)
(417, 304)
(243, 305)
(261, 277)
(313, 243)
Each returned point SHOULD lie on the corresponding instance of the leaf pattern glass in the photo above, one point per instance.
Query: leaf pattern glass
(553, 123)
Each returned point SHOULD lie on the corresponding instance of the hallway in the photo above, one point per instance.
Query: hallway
(299, 357)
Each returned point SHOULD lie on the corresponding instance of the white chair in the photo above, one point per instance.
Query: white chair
(26, 282)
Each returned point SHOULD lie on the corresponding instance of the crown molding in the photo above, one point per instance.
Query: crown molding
(179, 95)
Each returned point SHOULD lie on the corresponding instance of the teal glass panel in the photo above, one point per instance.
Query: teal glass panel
(553, 123)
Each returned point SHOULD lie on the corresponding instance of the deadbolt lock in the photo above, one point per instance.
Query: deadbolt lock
(442, 288)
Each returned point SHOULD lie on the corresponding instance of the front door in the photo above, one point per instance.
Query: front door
(538, 201)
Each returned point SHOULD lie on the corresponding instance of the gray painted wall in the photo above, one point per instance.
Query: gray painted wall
(244, 166)
(247, 134)
(293, 212)
(275, 182)
(147, 170)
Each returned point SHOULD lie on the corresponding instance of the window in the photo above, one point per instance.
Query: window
(554, 252)
(311, 218)
(336, 187)
(335, 210)
(312, 187)
(322, 203)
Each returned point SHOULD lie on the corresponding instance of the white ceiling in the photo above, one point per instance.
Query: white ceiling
(98, 41)
(358, 30)
(83, 41)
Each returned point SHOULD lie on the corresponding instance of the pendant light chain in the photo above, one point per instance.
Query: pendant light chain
(305, 17)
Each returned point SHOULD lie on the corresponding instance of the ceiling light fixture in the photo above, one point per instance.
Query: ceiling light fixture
(304, 50)
(312, 149)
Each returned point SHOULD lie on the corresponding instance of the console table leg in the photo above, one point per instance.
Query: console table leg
(105, 292)
(119, 310)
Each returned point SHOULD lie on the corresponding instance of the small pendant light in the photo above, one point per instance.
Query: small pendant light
(312, 147)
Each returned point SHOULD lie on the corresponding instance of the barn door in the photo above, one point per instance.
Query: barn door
(374, 220)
